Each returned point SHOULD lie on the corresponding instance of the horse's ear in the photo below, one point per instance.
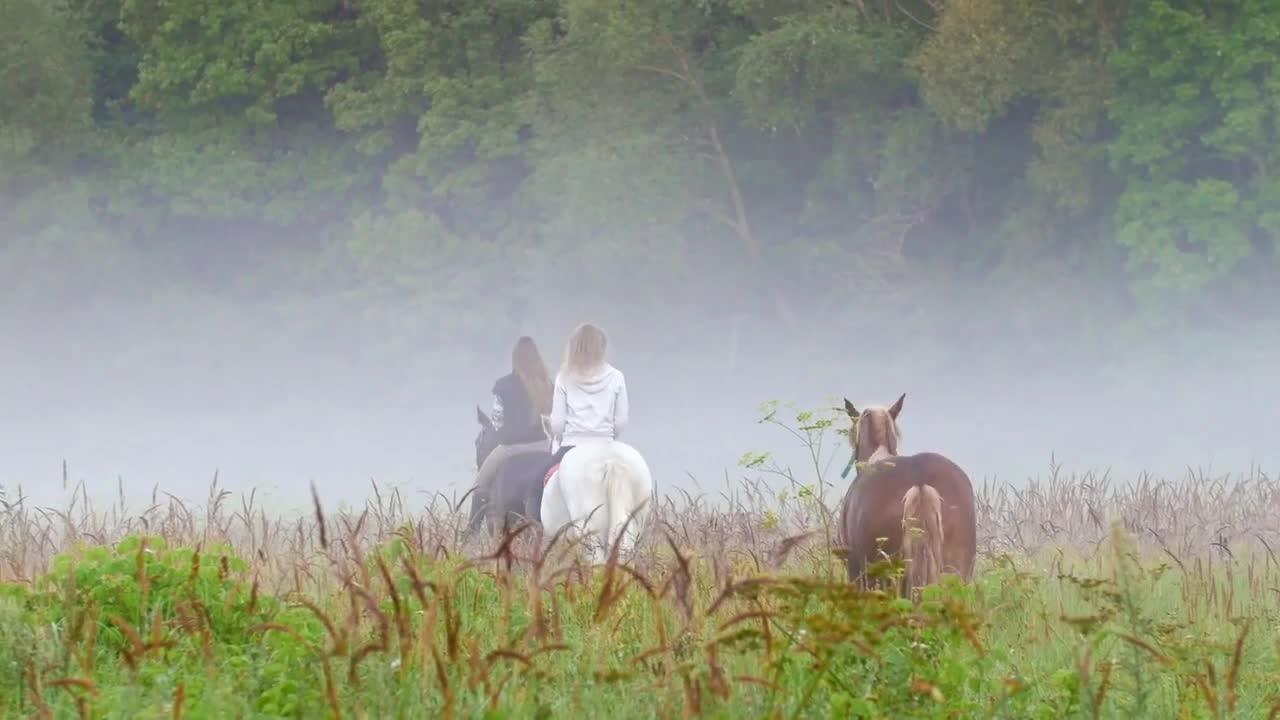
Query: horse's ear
(483, 419)
(897, 407)
(849, 408)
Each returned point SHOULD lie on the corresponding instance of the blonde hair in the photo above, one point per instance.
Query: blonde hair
(586, 350)
(526, 364)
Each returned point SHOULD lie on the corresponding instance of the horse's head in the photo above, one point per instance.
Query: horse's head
(874, 431)
(486, 439)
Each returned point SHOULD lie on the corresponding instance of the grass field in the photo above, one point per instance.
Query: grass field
(1093, 599)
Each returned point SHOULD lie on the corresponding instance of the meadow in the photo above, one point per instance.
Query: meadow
(1093, 599)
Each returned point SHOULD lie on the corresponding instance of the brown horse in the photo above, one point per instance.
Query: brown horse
(919, 506)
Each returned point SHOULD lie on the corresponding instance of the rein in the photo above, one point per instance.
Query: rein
(847, 468)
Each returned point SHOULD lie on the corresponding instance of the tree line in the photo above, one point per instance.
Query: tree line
(778, 159)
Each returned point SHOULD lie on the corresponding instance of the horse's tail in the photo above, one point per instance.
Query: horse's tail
(626, 486)
(922, 535)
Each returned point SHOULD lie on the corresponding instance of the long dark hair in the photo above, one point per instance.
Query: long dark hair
(526, 364)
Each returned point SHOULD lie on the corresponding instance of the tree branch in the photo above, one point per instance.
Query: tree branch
(718, 214)
(913, 18)
(740, 221)
(657, 70)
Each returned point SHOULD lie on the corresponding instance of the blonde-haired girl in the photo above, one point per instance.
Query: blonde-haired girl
(589, 400)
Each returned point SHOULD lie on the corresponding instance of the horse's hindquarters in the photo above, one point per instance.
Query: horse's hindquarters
(607, 488)
(874, 511)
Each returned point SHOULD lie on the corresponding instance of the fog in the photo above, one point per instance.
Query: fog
(144, 395)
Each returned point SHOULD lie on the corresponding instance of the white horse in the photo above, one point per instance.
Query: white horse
(598, 486)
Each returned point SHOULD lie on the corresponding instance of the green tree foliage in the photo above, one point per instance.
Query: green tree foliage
(770, 158)
(1195, 142)
(46, 130)
(45, 95)
(440, 102)
(232, 95)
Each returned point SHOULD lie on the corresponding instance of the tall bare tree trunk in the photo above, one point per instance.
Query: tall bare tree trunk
(739, 221)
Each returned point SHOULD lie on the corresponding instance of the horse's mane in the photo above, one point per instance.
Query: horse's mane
(876, 430)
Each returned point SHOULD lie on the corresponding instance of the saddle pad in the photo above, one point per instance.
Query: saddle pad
(550, 471)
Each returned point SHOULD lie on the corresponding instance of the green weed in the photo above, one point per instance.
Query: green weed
(727, 612)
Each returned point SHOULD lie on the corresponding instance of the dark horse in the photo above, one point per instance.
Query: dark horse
(921, 506)
(516, 491)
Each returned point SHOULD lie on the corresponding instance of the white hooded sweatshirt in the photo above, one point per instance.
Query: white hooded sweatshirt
(595, 408)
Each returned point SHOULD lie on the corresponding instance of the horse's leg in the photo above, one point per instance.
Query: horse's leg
(855, 566)
(959, 536)
(554, 510)
(478, 503)
(492, 510)
(585, 500)
(510, 521)
(606, 529)
(626, 520)
(594, 521)
(533, 504)
(488, 479)
(628, 527)
(642, 502)
(599, 549)
(502, 506)
(614, 528)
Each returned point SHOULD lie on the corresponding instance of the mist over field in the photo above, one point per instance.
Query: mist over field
(294, 242)
(120, 399)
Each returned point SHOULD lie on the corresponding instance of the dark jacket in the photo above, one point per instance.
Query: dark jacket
(520, 423)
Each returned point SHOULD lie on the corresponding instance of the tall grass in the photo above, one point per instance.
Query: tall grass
(1093, 599)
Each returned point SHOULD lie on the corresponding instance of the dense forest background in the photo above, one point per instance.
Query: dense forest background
(767, 184)
(821, 154)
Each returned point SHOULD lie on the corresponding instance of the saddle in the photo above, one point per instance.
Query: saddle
(557, 457)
